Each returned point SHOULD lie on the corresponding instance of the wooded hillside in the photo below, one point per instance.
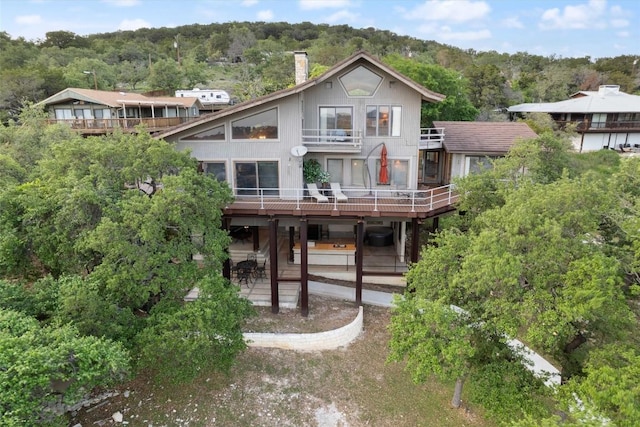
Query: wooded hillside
(249, 59)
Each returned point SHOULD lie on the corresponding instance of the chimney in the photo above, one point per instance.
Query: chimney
(302, 66)
(604, 90)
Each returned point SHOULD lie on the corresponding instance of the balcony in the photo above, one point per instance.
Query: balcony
(585, 126)
(431, 138)
(400, 203)
(101, 126)
(332, 140)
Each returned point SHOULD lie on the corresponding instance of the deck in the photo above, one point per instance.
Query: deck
(376, 203)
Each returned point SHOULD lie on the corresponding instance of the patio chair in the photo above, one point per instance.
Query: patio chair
(261, 271)
(244, 274)
(337, 192)
(313, 192)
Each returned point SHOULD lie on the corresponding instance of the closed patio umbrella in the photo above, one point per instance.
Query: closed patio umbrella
(384, 173)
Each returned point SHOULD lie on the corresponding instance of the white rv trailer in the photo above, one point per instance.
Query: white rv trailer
(208, 97)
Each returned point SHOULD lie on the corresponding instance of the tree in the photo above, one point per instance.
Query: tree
(42, 366)
(165, 75)
(456, 105)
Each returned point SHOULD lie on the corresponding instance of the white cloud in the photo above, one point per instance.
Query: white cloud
(265, 15)
(323, 4)
(449, 10)
(29, 19)
(122, 3)
(248, 3)
(619, 23)
(584, 16)
(133, 24)
(342, 16)
(623, 34)
(513, 22)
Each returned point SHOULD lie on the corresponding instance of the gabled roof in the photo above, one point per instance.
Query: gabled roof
(606, 100)
(483, 137)
(117, 99)
(361, 56)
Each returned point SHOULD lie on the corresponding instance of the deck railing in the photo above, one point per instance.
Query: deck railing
(332, 140)
(97, 125)
(358, 198)
(431, 138)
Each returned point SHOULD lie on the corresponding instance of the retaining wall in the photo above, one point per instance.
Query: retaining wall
(327, 340)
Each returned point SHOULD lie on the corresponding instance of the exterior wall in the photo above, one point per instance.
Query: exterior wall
(404, 147)
(229, 151)
(299, 111)
(598, 141)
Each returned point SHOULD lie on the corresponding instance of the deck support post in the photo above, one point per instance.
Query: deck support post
(304, 269)
(255, 233)
(415, 239)
(226, 266)
(359, 259)
(273, 264)
(292, 242)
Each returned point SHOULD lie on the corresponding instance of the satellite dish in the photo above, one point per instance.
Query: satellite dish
(298, 151)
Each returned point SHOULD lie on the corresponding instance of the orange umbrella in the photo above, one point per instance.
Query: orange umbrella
(384, 173)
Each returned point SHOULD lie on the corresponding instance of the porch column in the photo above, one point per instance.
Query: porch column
(226, 266)
(415, 239)
(255, 233)
(403, 241)
(435, 223)
(304, 269)
(359, 259)
(292, 237)
(273, 261)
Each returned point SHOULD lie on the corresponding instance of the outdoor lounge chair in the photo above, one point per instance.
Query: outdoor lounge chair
(337, 192)
(313, 192)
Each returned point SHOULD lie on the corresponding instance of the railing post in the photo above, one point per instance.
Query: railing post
(413, 201)
(299, 195)
(431, 199)
(375, 201)
(261, 198)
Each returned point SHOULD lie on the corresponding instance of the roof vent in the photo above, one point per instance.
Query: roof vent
(604, 90)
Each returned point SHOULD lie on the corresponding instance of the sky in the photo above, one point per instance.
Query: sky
(563, 28)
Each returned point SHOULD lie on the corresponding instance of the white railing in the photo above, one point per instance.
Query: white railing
(358, 198)
(333, 140)
(431, 138)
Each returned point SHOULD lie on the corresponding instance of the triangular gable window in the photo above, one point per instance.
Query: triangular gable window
(360, 82)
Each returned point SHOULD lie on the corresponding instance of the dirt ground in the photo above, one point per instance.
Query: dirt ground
(352, 386)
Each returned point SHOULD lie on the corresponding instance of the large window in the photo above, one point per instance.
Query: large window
(398, 173)
(215, 134)
(357, 172)
(216, 169)
(598, 121)
(383, 120)
(251, 176)
(335, 169)
(360, 82)
(336, 121)
(263, 125)
(477, 164)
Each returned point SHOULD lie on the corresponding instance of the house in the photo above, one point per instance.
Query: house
(94, 112)
(360, 121)
(211, 99)
(467, 146)
(606, 118)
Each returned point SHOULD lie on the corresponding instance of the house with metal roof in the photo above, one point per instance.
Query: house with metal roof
(94, 112)
(607, 118)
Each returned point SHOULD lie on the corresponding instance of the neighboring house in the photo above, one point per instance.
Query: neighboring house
(211, 99)
(94, 112)
(361, 121)
(468, 146)
(607, 118)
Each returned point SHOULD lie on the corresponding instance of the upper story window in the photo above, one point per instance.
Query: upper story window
(215, 134)
(360, 82)
(598, 121)
(383, 120)
(263, 125)
(336, 121)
